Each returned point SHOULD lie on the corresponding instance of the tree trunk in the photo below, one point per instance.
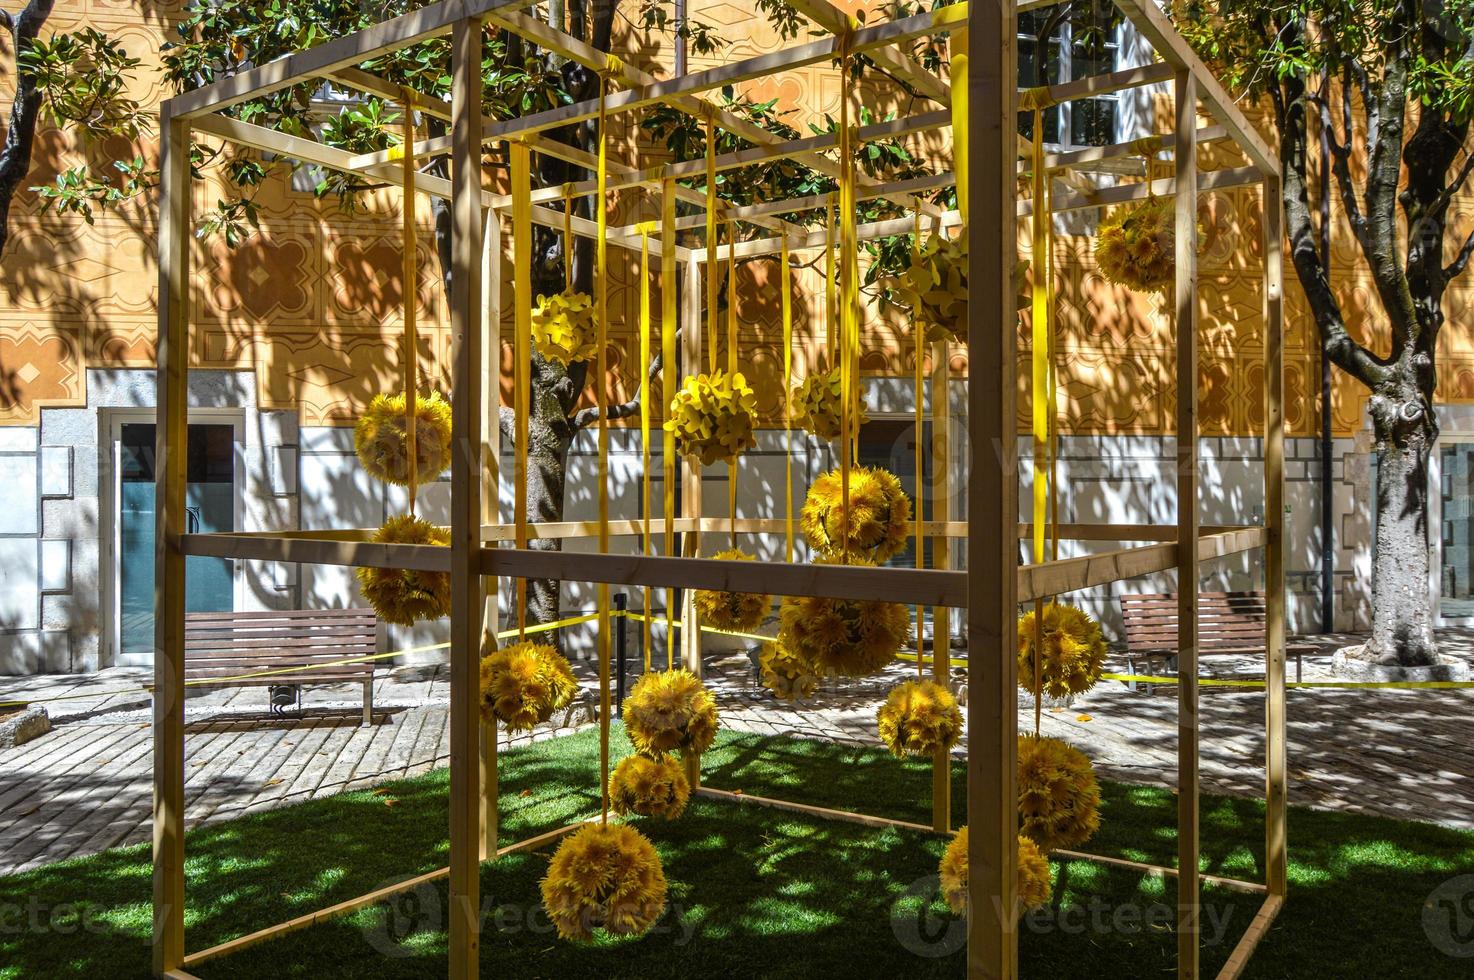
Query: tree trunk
(1402, 628)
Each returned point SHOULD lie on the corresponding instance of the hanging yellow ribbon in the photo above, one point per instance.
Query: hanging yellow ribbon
(831, 295)
(601, 401)
(785, 284)
(1043, 400)
(849, 289)
(411, 290)
(732, 364)
(668, 376)
(918, 336)
(521, 352)
(712, 268)
(958, 90)
(645, 420)
(568, 237)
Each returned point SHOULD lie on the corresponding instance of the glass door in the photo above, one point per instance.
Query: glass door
(1456, 565)
(210, 505)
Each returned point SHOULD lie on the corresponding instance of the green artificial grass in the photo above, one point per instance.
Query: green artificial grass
(753, 891)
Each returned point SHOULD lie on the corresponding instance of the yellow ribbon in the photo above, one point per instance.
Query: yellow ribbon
(568, 237)
(849, 289)
(601, 401)
(918, 336)
(712, 268)
(522, 353)
(831, 296)
(785, 285)
(411, 287)
(645, 412)
(958, 89)
(668, 376)
(732, 364)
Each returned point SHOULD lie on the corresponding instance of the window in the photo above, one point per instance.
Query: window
(1078, 49)
(890, 443)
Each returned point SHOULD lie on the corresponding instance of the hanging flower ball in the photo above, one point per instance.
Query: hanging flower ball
(844, 637)
(1058, 798)
(1031, 880)
(670, 711)
(874, 524)
(818, 402)
(563, 327)
(934, 285)
(738, 611)
(1073, 654)
(381, 438)
(918, 718)
(712, 417)
(404, 596)
(785, 673)
(604, 877)
(523, 683)
(649, 787)
(1136, 246)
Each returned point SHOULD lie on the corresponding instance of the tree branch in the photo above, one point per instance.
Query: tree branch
(20, 138)
(589, 416)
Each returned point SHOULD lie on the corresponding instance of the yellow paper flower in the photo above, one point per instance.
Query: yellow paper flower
(670, 711)
(1136, 246)
(604, 877)
(712, 417)
(380, 440)
(524, 683)
(740, 611)
(844, 637)
(934, 285)
(918, 718)
(874, 524)
(817, 404)
(1031, 879)
(649, 787)
(563, 327)
(785, 673)
(1058, 797)
(1074, 651)
(404, 596)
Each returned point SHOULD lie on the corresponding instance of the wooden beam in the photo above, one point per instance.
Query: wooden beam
(691, 490)
(941, 543)
(312, 551)
(171, 444)
(1249, 941)
(807, 809)
(1189, 885)
(1159, 871)
(1094, 85)
(1276, 862)
(489, 466)
(838, 22)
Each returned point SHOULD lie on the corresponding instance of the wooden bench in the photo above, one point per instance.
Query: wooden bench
(1228, 623)
(221, 646)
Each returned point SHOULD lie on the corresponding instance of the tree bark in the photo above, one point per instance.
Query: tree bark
(20, 138)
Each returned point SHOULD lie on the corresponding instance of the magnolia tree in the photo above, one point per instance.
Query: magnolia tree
(1389, 83)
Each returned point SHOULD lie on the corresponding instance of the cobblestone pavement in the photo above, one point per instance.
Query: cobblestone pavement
(86, 786)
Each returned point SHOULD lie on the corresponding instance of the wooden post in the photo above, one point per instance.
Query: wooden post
(1189, 888)
(941, 550)
(992, 493)
(1276, 761)
(171, 440)
(490, 469)
(691, 491)
(465, 493)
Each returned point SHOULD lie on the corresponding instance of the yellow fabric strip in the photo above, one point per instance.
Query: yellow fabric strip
(410, 285)
(601, 400)
(732, 463)
(785, 284)
(645, 415)
(713, 270)
(521, 353)
(918, 337)
(669, 371)
(568, 244)
(831, 296)
(1039, 398)
(849, 293)
(958, 89)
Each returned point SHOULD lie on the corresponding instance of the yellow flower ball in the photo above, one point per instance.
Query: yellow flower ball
(918, 718)
(818, 402)
(712, 417)
(875, 523)
(785, 673)
(649, 787)
(604, 877)
(1136, 246)
(380, 438)
(740, 611)
(844, 637)
(1058, 797)
(404, 596)
(670, 711)
(1031, 878)
(564, 328)
(523, 683)
(1073, 652)
(934, 285)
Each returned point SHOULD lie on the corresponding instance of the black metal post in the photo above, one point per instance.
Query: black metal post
(621, 605)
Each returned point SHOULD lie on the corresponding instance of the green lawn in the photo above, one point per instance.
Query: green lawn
(753, 891)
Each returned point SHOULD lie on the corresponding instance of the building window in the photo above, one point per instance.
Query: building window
(1078, 49)
(890, 443)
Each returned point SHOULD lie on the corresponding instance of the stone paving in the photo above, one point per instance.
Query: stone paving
(86, 786)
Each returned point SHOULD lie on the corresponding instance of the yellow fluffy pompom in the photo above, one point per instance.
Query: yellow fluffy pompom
(649, 787)
(844, 637)
(919, 717)
(1074, 651)
(1031, 879)
(934, 285)
(817, 404)
(604, 877)
(874, 524)
(1058, 798)
(404, 596)
(740, 611)
(712, 416)
(524, 683)
(785, 673)
(1136, 246)
(380, 440)
(563, 327)
(670, 711)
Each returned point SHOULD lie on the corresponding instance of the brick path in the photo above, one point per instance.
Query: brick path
(87, 786)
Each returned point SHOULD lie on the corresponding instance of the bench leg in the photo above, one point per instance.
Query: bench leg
(368, 701)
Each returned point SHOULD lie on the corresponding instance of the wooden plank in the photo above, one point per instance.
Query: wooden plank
(490, 468)
(690, 639)
(939, 529)
(1159, 871)
(1249, 941)
(311, 551)
(173, 372)
(1095, 85)
(838, 22)
(1276, 759)
(1189, 886)
(823, 812)
(348, 615)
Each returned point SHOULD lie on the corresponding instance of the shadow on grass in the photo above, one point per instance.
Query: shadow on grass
(753, 891)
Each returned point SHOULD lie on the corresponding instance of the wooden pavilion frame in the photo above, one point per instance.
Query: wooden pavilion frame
(989, 590)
